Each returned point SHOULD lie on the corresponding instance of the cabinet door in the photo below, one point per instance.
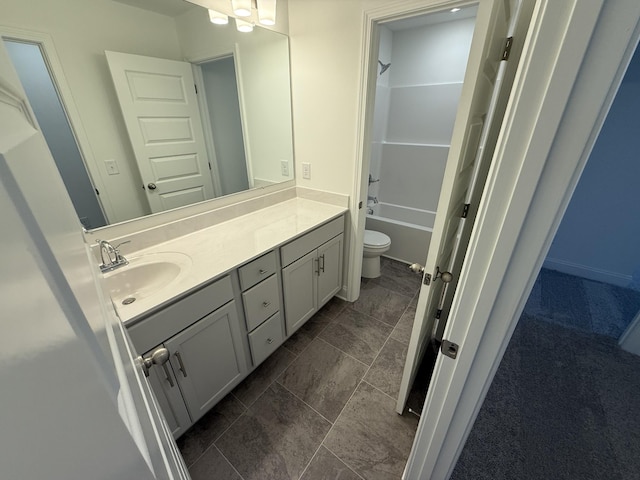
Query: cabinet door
(208, 359)
(165, 387)
(299, 284)
(330, 265)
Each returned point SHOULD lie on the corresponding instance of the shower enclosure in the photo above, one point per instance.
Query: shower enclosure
(422, 62)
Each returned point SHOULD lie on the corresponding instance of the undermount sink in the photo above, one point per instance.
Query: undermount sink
(146, 275)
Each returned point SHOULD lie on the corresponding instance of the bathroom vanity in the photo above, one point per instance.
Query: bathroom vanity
(249, 284)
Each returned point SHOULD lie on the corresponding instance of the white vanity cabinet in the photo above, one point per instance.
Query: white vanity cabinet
(261, 294)
(207, 354)
(312, 272)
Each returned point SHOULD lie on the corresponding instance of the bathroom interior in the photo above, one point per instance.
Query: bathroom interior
(323, 367)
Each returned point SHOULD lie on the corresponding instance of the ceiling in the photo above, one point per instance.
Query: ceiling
(170, 8)
(432, 18)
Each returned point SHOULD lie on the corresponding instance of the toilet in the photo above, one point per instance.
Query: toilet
(375, 244)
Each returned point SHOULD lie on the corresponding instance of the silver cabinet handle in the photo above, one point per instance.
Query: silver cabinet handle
(266, 304)
(262, 271)
(317, 260)
(182, 369)
(269, 340)
(322, 258)
(167, 374)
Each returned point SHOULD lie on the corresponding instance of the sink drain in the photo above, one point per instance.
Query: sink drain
(128, 301)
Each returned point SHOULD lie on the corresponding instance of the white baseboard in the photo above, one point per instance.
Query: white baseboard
(589, 273)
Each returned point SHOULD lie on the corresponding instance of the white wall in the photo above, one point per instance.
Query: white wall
(81, 31)
(600, 232)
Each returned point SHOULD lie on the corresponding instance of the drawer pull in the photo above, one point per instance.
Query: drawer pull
(262, 271)
(182, 369)
(322, 266)
(266, 304)
(168, 375)
(269, 340)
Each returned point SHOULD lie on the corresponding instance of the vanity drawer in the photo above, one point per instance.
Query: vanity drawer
(261, 301)
(159, 326)
(299, 247)
(265, 339)
(257, 270)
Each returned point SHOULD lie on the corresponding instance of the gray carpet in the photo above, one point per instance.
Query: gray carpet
(565, 402)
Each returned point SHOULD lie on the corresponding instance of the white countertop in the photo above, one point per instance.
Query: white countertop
(218, 249)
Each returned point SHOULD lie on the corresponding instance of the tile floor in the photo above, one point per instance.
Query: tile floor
(322, 406)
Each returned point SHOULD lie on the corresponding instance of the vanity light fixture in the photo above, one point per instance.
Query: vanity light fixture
(267, 12)
(244, 26)
(218, 18)
(242, 8)
(454, 10)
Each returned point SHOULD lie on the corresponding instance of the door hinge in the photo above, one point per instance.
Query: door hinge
(507, 48)
(97, 192)
(196, 87)
(209, 165)
(449, 349)
(427, 279)
(465, 210)
(360, 205)
(438, 314)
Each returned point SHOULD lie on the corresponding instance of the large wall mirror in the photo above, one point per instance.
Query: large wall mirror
(147, 106)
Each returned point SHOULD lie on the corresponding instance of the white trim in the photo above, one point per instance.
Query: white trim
(630, 339)
(390, 11)
(536, 166)
(243, 115)
(50, 55)
(585, 271)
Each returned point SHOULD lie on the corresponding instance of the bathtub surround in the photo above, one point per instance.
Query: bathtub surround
(327, 396)
(415, 108)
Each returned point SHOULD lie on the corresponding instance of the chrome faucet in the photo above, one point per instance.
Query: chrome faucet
(111, 256)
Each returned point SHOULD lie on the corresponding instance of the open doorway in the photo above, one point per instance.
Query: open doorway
(563, 403)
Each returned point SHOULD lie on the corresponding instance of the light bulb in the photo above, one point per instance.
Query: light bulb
(267, 12)
(218, 18)
(242, 8)
(243, 26)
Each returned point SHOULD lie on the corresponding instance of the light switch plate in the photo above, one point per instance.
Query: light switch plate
(112, 167)
(306, 171)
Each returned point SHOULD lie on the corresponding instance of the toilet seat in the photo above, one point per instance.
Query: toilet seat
(376, 239)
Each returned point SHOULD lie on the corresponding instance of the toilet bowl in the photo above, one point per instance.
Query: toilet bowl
(375, 244)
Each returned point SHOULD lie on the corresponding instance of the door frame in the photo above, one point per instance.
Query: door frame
(369, 71)
(572, 65)
(51, 58)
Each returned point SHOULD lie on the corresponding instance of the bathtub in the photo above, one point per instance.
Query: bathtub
(409, 229)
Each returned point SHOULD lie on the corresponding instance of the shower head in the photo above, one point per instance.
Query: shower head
(384, 66)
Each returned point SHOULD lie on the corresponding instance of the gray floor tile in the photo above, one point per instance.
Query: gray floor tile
(381, 303)
(255, 384)
(397, 277)
(275, 439)
(402, 331)
(371, 437)
(324, 378)
(326, 466)
(307, 332)
(213, 466)
(386, 372)
(333, 307)
(357, 334)
(206, 430)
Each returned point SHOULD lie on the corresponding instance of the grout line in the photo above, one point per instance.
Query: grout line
(229, 462)
(342, 351)
(345, 463)
(310, 461)
(295, 395)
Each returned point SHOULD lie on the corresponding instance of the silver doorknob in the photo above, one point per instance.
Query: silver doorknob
(446, 277)
(158, 357)
(416, 268)
(151, 186)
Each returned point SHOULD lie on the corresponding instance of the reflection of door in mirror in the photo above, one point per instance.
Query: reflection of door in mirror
(50, 113)
(160, 111)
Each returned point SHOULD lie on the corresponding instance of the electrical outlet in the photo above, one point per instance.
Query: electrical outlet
(284, 168)
(306, 171)
(112, 167)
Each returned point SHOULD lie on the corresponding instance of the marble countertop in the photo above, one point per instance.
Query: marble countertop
(219, 249)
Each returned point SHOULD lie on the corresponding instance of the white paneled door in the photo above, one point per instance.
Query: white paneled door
(160, 109)
(467, 165)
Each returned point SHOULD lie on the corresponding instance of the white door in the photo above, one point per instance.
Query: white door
(75, 403)
(467, 165)
(160, 109)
